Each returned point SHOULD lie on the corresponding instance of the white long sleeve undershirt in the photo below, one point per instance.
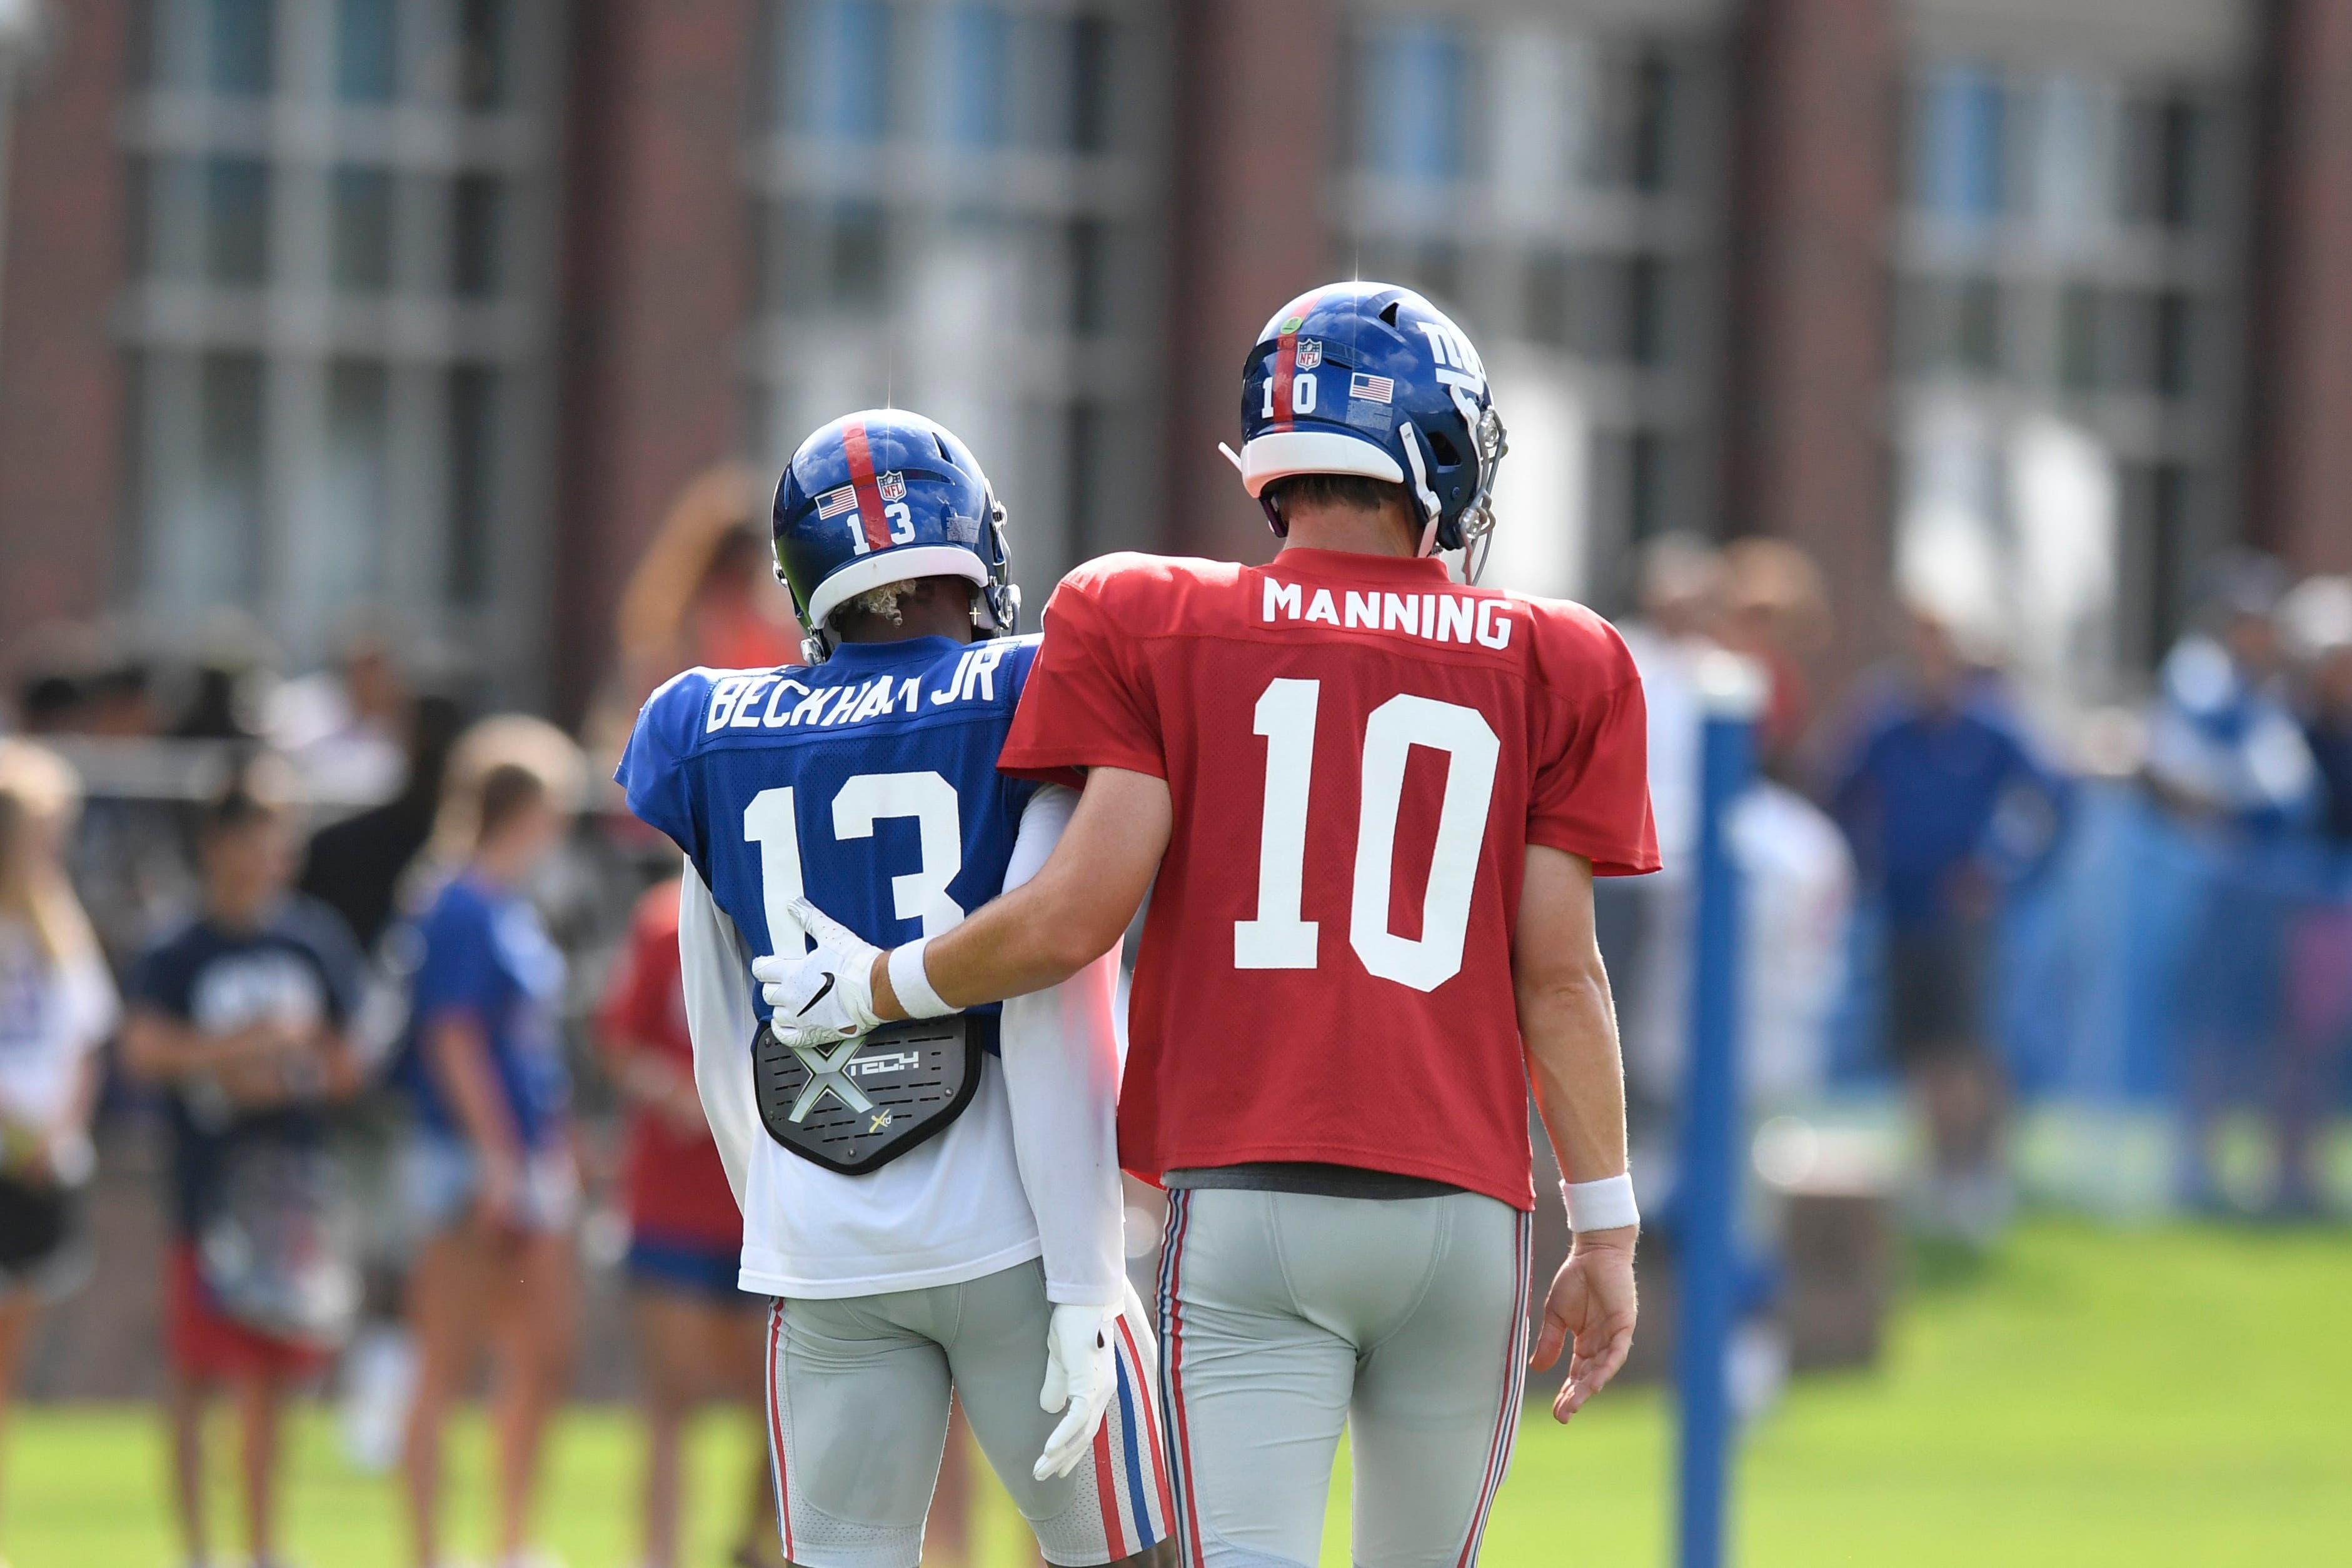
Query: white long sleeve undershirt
(1030, 1168)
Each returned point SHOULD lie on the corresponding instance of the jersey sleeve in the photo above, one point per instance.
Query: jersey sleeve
(458, 972)
(1591, 794)
(1061, 1084)
(1085, 703)
(715, 969)
(652, 771)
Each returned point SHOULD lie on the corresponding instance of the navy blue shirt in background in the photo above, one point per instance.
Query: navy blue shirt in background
(1920, 796)
(299, 965)
(486, 959)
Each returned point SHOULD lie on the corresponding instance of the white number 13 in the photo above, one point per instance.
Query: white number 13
(1279, 938)
(771, 821)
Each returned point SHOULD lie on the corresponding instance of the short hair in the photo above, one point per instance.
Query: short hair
(885, 602)
(508, 791)
(1358, 491)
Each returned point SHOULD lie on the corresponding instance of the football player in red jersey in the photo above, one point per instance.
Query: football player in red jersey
(1374, 801)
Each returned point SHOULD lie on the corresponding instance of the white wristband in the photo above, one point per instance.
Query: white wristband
(913, 985)
(1605, 1205)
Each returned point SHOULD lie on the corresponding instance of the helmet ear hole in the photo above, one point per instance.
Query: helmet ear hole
(1389, 311)
(1448, 456)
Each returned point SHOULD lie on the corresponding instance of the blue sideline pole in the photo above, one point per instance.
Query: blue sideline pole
(1731, 693)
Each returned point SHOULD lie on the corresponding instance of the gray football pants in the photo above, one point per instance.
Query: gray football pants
(1283, 1316)
(857, 1420)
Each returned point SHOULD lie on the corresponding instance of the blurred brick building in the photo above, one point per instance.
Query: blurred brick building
(434, 304)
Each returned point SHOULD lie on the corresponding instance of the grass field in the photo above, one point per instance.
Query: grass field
(2150, 1397)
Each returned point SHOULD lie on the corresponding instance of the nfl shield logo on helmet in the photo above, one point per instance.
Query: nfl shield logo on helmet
(1310, 352)
(893, 485)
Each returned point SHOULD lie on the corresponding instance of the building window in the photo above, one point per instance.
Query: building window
(1554, 186)
(2065, 286)
(951, 203)
(337, 292)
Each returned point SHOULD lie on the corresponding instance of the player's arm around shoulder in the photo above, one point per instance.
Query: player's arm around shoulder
(1071, 913)
(1568, 1022)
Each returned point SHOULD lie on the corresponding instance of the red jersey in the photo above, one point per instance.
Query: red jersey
(677, 1188)
(1359, 752)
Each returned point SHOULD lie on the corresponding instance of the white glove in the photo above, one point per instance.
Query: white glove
(1081, 1373)
(827, 995)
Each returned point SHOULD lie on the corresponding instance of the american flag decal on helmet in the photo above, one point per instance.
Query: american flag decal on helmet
(1372, 388)
(833, 503)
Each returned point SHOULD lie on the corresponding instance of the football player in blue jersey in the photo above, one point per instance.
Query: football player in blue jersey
(934, 1206)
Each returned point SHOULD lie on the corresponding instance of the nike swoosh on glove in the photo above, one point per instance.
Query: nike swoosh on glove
(1081, 1375)
(826, 995)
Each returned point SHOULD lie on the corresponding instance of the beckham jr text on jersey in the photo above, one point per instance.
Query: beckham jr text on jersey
(867, 783)
(1360, 751)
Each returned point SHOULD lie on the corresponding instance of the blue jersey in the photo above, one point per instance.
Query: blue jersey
(867, 783)
(485, 958)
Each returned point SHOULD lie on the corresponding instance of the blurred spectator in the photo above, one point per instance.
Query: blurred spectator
(1777, 611)
(119, 699)
(229, 681)
(346, 727)
(2228, 756)
(704, 593)
(1940, 784)
(1797, 871)
(2319, 616)
(48, 702)
(699, 1337)
(704, 589)
(128, 857)
(356, 865)
(241, 1015)
(56, 1007)
(1680, 597)
(1797, 880)
(1642, 920)
(490, 1174)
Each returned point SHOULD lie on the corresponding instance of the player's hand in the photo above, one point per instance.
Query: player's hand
(827, 995)
(1081, 1375)
(1591, 1307)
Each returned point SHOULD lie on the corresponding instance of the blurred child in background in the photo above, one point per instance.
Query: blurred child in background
(240, 1016)
(490, 1177)
(56, 1007)
(699, 1337)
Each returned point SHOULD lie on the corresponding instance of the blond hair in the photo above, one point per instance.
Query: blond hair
(40, 797)
(503, 742)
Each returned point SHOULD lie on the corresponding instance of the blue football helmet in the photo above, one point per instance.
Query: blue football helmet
(1373, 380)
(883, 497)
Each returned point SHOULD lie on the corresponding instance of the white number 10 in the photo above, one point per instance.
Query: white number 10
(1279, 938)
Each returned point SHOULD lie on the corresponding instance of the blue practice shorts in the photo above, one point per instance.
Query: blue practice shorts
(691, 1267)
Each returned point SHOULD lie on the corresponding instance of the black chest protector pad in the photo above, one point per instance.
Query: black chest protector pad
(855, 1105)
